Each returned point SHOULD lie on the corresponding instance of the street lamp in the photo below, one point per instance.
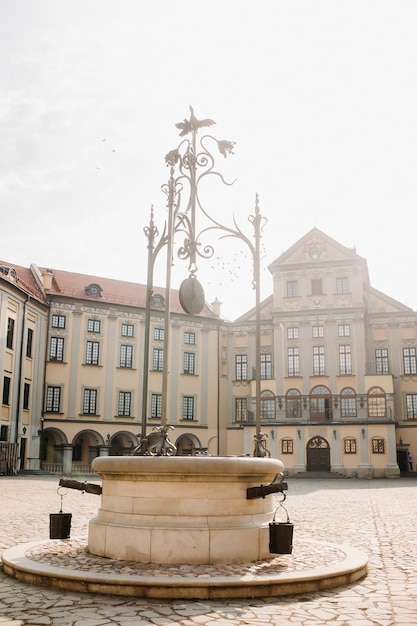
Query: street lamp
(189, 164)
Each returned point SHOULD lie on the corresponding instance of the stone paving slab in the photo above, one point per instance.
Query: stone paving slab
(378, 517)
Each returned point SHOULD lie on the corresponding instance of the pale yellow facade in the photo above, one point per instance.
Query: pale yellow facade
(338, 369)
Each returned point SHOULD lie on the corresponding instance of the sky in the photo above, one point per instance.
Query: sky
(319, 96)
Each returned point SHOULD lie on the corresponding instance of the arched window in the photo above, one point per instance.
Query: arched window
(348, 402)
(377, 403)
(267, 406)
(320, 404)
(293, 403)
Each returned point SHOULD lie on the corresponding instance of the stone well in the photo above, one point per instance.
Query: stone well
(182, 509)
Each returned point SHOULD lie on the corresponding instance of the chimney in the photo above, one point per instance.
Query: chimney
(215, 307)
(47, 279)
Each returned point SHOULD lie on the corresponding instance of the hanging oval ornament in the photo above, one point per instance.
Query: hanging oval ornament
(192, 297)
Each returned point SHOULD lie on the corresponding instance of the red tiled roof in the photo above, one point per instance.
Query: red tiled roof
(24, 280)
(112, 291)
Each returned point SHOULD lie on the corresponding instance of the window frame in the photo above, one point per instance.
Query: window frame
(58, 321)
(93, 325)
(29, 343)
(124, 404)
(189, 363)
(10, 333)
(345, 360)
(126, 356)
(350, 445)
(378, 445)
(189, 338)
(127, 330)
(292, 289)
(287, 446)
(90, 400)
(157, 359)
(410, 361)
(53, 399)
(56, 349)
(92, 352)
(382, 361)
(241, 410)
(293, 361)
(188, 408)
(156, 406)
(342, 285)
(241, 367)
(158, 333)
(266, 365)
(319, 361)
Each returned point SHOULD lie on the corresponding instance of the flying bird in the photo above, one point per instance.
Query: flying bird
(187, 126)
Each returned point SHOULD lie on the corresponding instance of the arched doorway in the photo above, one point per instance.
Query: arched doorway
(318, 455)
(188, 445)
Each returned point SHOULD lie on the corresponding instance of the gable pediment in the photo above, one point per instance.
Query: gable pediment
(315, 248)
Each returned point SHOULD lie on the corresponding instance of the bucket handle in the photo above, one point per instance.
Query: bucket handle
(281, 506)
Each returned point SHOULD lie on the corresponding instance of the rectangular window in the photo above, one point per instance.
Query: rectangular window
(92, 353)
(342, 285)
(56, 349)
(189, 363)
(345, 360)
(316, 287)
(188, 408)
(156, 405)
(124, 404)
(241, 407)
(293, 332)
(126, 356)
(10, 333)
(127, 330)
(158, 360)
(4, 432)
(293, 362)
(26, 396)
(189, 338)
(90, 402)
(318, 331)
(93, 326)
(6, 389)
(343, 330)
(319, 361)
(241, 367)
(58, 321)
(410, 362)
(287, 446)
(158, 334)
(292, 288)
(382, 364)
(349, 446)
(53, 400)
(266, 366)
(378, 445)
(411, 402)
(29, 343)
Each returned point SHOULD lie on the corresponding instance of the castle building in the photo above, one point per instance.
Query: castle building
(338, 368)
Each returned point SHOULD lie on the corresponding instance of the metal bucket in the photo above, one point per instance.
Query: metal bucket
(280, 537)
(59, 525)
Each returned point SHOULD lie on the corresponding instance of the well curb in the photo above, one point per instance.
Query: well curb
(350, 569)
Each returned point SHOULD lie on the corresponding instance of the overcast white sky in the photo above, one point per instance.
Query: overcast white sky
(319, 96)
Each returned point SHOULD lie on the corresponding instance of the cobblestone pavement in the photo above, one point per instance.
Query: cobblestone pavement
(377, 516)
